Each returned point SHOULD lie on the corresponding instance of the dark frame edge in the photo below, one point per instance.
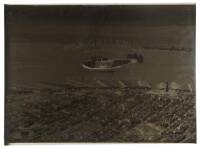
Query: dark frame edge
(5, 75)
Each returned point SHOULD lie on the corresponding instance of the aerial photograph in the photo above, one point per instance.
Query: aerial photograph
(100, 74)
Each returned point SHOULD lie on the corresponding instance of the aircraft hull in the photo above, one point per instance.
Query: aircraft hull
(101, 68)
(107, 65)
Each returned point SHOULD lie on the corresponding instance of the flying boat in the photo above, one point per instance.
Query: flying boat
(98, 63)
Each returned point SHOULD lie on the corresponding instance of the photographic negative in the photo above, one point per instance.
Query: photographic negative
(100, 73)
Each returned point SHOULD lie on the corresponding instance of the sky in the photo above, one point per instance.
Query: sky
(49, 43)
(98, 15)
